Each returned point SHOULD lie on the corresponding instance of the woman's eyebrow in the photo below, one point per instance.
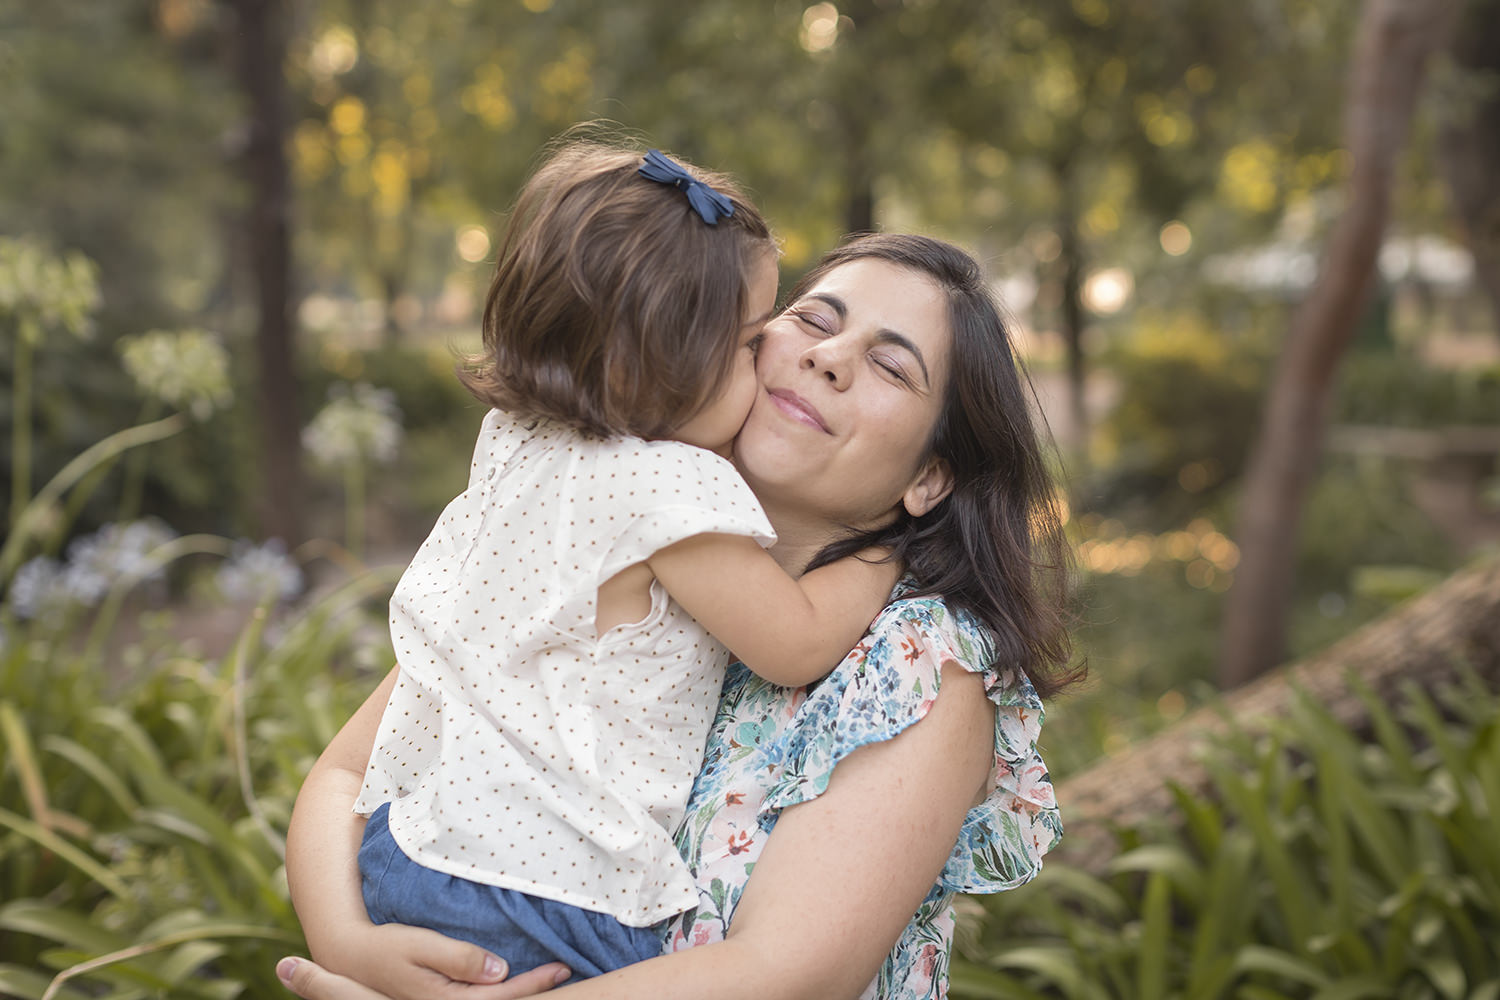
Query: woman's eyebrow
(833, 302)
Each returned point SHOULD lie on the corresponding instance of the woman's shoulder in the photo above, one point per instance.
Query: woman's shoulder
(920, 633)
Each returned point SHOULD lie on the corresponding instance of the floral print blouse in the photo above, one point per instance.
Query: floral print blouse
(772, 747)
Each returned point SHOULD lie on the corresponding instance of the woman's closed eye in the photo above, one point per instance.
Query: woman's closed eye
(891, 367)
(812, 320)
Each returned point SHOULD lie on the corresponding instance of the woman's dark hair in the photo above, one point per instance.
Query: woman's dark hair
(994, 546)
(615, 308)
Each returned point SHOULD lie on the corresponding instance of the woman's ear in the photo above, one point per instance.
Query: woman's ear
(929, 489)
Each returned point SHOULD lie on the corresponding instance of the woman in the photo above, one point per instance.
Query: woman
(890, 413)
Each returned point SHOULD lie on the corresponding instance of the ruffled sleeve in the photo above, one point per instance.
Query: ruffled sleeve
(668, 491)
(890, 681)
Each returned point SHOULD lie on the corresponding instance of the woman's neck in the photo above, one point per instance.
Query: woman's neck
(799, 537)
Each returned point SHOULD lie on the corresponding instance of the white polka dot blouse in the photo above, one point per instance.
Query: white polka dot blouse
(519, 748)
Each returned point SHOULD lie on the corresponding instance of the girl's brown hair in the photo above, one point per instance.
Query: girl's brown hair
(614, 307)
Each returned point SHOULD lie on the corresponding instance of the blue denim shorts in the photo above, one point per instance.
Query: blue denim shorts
(526, 931)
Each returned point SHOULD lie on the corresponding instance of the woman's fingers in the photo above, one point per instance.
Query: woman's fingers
(311, 981)
(538, 980)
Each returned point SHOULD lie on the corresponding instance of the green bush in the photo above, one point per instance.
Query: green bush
(1397, 391)
(1322, 864)
(1182, 427)
(147, 789)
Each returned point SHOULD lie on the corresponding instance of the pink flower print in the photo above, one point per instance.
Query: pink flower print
(1032, 785)
(701, 935)
(739, 842)
(928, 959)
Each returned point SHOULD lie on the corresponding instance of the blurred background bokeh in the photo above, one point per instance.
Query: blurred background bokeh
(1252, 253)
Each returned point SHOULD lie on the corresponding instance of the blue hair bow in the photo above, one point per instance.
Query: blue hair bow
(710, 205)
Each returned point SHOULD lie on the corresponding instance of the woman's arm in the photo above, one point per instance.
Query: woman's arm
(840, 878)
(789, 631)
(322, 848)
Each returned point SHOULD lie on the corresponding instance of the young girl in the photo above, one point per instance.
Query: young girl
(555, 634)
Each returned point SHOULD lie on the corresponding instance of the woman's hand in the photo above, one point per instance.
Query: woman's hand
(454, 969)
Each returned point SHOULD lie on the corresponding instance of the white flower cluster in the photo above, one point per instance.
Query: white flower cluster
(259, 572)
(187, 370)
(46, 589)
(358, 424)
(41, 292)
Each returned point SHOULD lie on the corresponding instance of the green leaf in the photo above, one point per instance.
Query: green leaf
(75, 856)
(28, 984)
(967, 981)
(1057, 966)
(55, 923)
(1355, 988)
(1225, 904)
(1447, 976)
(1156, 920)
(1063, 880)
(89, 763)
(1254, 958)
(1170, 860)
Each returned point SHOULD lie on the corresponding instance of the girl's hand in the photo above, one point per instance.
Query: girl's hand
(413, 963)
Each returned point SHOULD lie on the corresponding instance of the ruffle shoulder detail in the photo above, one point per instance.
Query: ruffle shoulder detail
(890, 681)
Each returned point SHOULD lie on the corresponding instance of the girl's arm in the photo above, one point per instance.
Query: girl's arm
(322, 848)
(791, 632)
(322, 841)
(840, 877)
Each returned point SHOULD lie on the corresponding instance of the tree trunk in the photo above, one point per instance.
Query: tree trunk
(262, 47)
(1070, 258)
(1469, 144)
(1394, 40)
(1430, 639)
(859, 210)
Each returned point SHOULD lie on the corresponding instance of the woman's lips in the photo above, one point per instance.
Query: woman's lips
(797, 408)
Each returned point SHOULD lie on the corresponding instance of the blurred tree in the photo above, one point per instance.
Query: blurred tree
(412, 123)
(1469, 143)
(261, 30)
(1395, 40)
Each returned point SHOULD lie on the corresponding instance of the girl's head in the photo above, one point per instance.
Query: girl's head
(893, 409)
(615, 308)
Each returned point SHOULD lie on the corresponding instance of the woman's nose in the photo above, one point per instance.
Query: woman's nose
(826, 359)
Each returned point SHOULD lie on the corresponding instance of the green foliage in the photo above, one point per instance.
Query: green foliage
(1151, 641)
(1187, 411)
(144, 798)
(1393, 390)
(439, 419)
(1359, 514)
(1322, 863)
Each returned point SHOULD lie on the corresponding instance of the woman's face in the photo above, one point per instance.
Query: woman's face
(852, 379)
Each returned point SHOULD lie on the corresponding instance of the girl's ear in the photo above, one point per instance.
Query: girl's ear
(931, 486)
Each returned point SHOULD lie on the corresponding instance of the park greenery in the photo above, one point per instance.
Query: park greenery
(175, 648)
